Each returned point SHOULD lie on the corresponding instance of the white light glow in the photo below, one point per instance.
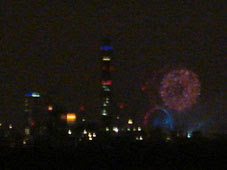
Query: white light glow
(115, 129)
(24, 142)
(85, 132)
(168, 138)
(69, 132)
(189, 135)
(35, 95)
(50, 108)
(130, 122)
(104, 113)
(106, 58)
(107, 129)
(139, 128)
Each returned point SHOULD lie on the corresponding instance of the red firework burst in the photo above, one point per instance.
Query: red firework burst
(180, 89)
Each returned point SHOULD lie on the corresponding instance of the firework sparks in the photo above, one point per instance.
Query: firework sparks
(180, 89)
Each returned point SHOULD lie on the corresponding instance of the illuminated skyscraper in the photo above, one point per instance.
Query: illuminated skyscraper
(106, 83)
(32, 110)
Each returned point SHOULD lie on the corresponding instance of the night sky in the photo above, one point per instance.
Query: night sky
(53, 48)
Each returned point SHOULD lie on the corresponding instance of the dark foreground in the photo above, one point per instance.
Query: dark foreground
(119, 154)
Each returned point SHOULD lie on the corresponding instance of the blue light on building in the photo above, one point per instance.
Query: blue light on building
(32, 95)
(106, 47)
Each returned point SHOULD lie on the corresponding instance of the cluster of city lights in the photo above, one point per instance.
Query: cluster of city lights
(88, 134)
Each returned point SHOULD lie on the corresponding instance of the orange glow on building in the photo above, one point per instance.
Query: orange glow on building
(50, 108)
(71, 117)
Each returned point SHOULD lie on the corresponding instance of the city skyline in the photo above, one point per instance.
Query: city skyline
(57, 54)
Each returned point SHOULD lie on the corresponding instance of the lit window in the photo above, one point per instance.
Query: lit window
(115, 129)
(189, 135)
(89, 135)
(137, 138)
(0, 124)
(130, 122)
(27, 131)
(90, 138)
(50, 108)
(139, 129)
(118, 117)
(141, 138)
(83, 120)
(32, 95)
(107, 129)
(71, 117)
(104, 113)
(106, 58)
(128, 129)
(168, 138)
(104, 104)
(85, 132)
(94, 135)
(24, 142)
(69, 132)
(10, 126)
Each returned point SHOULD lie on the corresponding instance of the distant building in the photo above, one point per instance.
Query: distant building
(32, 108)
(106, 84)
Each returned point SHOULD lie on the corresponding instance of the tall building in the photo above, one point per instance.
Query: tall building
(32, 110)
(106, 84)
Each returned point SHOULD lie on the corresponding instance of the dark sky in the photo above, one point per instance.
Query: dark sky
(53, 48)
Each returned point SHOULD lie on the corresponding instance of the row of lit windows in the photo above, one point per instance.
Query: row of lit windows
(106, 58)
(116, 129)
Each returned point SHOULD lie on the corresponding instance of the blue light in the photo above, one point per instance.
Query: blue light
(106, 47)
(32, 95)
(28, 95)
